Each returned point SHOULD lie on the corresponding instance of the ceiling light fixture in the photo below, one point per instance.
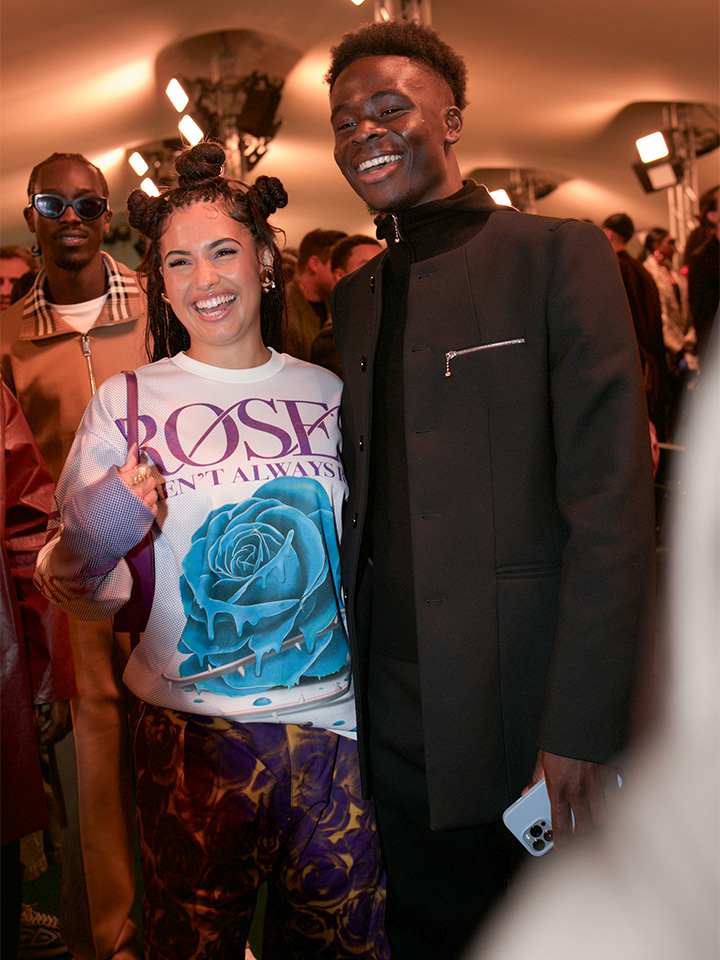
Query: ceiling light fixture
(516, 187)
(190, 130)
(501, 197)
(176, 95)
(228, 85)
(137, 162)
(149, 187)
(668, 159)
(402, 9)
(652, 147)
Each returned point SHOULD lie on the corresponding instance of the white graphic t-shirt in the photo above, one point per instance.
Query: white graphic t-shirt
(246, 620)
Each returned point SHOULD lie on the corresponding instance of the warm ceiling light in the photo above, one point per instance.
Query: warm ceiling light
(177, 95)
(358, 2)
(149, 187)
(652, 147)
(138, 164)
(190, 130)
(501, 197)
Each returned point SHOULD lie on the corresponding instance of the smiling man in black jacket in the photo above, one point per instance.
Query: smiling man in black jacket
(499, 538)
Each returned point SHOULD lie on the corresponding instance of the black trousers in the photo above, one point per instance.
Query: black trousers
(441, 884)
(10, 899)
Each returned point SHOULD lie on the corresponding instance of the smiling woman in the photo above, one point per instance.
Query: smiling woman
(242, 676)
(212, 281)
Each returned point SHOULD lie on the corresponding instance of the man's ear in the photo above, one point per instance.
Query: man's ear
(314, 263)
(453, 125)
(29, 214)
(107, 217)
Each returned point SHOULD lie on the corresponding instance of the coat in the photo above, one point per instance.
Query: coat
(531, 500)
(36, 665)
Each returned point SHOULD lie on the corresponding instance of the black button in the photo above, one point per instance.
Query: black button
(361, 443)
(363, 363)
(355, 520)
(372, 284)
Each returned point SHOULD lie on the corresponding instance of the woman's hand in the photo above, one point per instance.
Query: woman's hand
(139, 478)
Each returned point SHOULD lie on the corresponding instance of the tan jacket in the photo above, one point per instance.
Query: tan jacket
(48, 365)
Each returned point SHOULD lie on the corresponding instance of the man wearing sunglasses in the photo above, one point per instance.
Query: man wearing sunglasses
(82, 322)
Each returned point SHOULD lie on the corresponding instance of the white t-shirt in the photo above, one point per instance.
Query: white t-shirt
(81, 316)
(247, 620)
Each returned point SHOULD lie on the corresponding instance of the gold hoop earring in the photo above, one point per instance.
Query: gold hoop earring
(164, 299)
(267, 280)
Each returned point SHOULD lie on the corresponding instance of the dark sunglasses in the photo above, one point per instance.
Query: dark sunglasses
(52, 206)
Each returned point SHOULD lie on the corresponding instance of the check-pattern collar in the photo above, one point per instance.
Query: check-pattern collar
(124, 302)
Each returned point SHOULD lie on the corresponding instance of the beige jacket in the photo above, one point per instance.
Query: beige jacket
(49, 366)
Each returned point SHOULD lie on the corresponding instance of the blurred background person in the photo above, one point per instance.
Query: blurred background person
(678, 331)
(702, 262)
(707, 223)
(347, 255)
(644, 303)
(308, 293)
(679, 334)
(36, 677)
(15, 262)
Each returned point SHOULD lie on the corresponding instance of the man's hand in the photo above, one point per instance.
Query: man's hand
(53, 721)
(576, 785)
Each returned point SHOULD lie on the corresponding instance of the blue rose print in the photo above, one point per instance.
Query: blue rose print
(260, 584)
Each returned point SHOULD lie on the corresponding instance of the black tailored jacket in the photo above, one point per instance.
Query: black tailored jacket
(530, 490)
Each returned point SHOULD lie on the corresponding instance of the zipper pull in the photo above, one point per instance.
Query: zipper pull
(398, 238)
(448, 357)
(87, 353)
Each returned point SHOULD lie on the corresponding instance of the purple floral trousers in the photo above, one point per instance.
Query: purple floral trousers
(223, 807)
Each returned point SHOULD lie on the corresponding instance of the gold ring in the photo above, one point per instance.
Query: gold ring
(139, 474)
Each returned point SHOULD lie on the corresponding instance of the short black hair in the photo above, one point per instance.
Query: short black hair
(343, 248)
(65, 156)
(402, 38)
(622, 225)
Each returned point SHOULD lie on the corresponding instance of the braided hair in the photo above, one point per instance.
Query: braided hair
(200, 180)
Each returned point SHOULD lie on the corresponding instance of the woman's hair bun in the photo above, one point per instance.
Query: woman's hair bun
(140, 211)
(269, 195)
(204, 161)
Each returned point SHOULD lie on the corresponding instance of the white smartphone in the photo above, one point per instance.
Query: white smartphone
(528, 819)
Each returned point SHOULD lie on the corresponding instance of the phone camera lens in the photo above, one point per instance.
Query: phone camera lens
(538, 844)
(548, 836)
(536, 830)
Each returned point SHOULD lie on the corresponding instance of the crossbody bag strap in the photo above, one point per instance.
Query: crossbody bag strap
(133, 617)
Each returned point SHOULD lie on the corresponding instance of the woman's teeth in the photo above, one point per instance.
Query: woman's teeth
(211, 304)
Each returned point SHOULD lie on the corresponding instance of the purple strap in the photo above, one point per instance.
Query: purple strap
(133, 617)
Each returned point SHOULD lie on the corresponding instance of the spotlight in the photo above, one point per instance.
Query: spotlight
(137, 162)
(659, 175)
(177, 95)
(149, 187)
(652, 147)
(190, 130)
(660, 167)
(501, 197)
